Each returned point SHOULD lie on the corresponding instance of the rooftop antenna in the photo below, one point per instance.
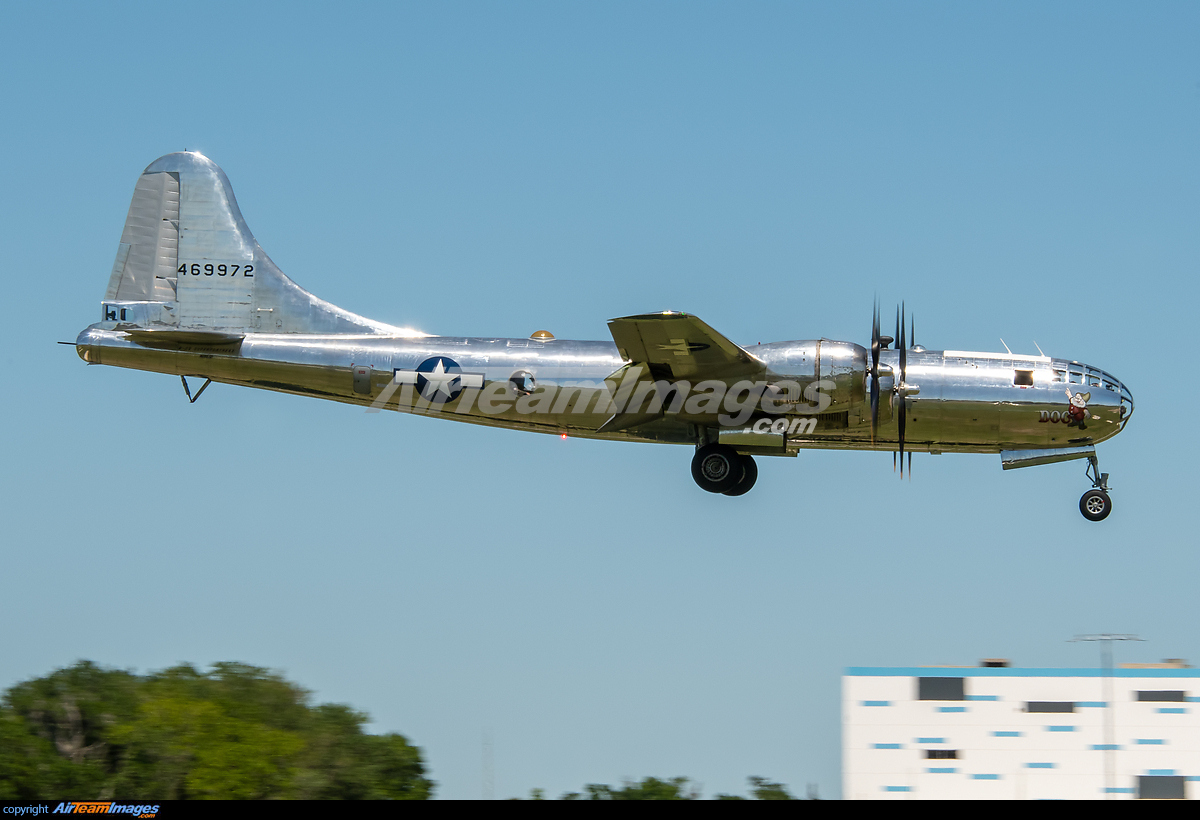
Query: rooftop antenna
(1035, 344)
(1006, 347)
(1106, 641)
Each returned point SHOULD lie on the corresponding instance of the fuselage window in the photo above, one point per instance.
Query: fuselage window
(522, 382)
(1023, 378)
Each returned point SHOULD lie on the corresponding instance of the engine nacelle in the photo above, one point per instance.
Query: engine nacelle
(840, 367)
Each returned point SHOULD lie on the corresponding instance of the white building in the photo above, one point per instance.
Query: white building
(997, 732)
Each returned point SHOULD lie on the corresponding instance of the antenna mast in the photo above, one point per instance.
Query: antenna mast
(1110, 744)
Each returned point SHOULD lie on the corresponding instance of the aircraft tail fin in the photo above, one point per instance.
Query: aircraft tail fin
(188, 260)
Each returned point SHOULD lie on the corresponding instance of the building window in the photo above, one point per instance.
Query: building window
(941, 754)
(1163, 696)
(1159, 787)
(1050, 706)
(940, 689)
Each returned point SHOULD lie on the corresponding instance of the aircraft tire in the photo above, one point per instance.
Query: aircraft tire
(717, 468)
(749, 476)
(1095, 505)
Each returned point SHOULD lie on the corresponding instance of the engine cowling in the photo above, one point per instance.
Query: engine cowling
(838, 369)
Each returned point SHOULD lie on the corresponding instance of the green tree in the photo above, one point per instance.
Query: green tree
(235, 732)
(764, 789)
(650, 788)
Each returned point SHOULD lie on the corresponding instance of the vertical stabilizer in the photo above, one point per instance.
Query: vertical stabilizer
(188, 260)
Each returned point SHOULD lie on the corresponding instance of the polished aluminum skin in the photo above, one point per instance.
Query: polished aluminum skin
(192, 294)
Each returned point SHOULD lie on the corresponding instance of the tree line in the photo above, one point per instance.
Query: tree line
(236, 732)
(674, 788)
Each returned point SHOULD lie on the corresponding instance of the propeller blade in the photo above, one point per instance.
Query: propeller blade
(875, 371)
(874, 404)
(875, 338)
(910, 465)
(901, 404)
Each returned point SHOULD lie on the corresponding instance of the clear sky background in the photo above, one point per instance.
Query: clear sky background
(1028, 171)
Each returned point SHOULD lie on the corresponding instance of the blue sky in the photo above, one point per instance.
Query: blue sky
(1018, 170)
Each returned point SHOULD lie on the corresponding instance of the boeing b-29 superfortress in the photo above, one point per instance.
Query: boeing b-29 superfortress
(192, 294)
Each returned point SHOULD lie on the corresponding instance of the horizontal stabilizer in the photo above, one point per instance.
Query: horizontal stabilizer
(171, 338)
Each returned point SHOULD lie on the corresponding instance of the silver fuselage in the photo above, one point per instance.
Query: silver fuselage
(958, 402)
(191, 293)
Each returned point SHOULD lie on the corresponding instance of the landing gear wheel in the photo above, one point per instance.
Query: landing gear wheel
(749, 476)
(1095, 505)
(717, 468)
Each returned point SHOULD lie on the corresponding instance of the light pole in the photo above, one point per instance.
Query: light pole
(1106, 660)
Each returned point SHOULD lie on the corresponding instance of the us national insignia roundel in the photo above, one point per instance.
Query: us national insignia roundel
(438, 379)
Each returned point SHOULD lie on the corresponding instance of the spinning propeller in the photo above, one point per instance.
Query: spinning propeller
(900, 387)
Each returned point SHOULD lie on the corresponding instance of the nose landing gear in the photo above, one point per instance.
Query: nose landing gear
(1096, 503)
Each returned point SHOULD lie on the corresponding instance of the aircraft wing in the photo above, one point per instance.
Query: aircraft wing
(677, 346)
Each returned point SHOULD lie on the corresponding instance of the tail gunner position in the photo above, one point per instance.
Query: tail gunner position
(192, 294)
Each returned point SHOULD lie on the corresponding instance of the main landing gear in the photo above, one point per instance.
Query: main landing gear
(721, 469)
(1096, 504)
